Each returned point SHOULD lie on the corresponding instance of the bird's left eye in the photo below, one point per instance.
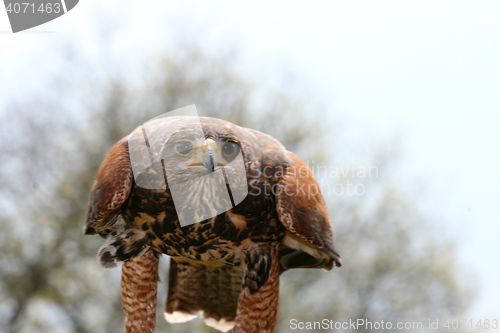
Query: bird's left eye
(184, 147)
(229, 148)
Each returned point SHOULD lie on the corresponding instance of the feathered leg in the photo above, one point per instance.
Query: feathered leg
(257, 310)
(139, 284)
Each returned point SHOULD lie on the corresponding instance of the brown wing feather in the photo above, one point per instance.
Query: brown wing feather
(110, 189)
(302, 210)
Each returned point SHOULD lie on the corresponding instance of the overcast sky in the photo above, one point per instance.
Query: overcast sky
(424, 70)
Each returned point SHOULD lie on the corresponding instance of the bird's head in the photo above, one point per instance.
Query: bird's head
(181, 149)
(204, 168)
(207, 156)
(191, 157)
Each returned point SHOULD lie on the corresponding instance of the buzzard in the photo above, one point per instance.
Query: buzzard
(226, 266)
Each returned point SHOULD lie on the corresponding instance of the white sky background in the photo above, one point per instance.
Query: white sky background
(428, 71)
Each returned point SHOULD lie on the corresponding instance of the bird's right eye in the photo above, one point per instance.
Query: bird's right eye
(184, 147)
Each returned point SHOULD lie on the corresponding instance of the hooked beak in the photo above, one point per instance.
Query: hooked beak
(209, 159)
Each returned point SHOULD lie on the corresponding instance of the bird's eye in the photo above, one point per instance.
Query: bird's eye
(184, 147)
(230, 148)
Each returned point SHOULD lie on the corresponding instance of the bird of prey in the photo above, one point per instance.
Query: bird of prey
(226, 266)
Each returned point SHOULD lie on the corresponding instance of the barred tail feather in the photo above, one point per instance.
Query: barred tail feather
(206, 291)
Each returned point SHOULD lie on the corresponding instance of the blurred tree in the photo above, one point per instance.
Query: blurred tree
(51, 147)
